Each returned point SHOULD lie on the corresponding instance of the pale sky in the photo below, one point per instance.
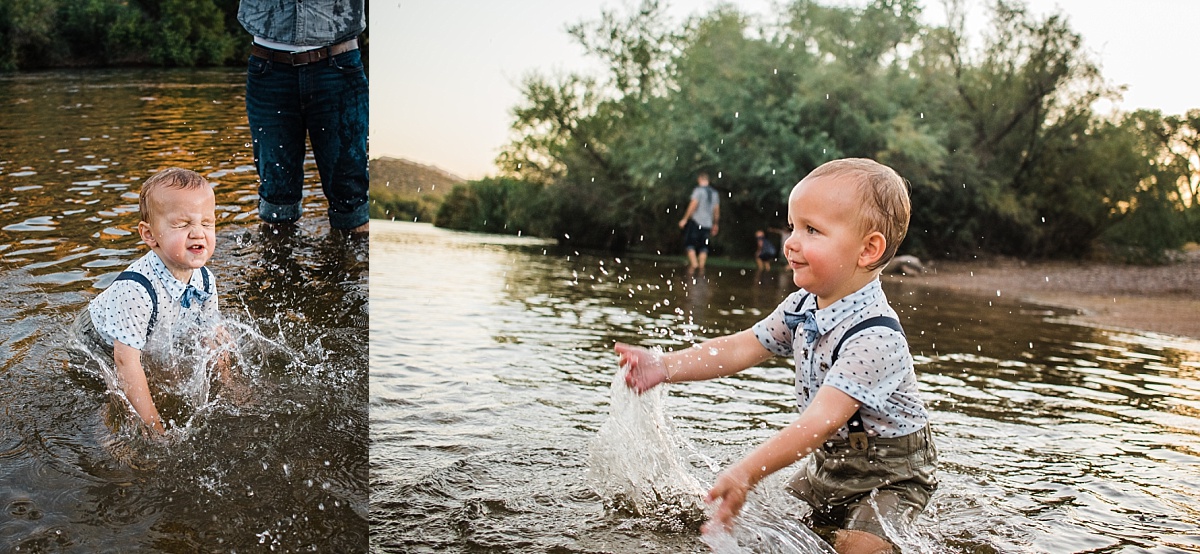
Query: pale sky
(445, 73)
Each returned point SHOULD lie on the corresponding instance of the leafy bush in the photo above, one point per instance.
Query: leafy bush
(491, 205)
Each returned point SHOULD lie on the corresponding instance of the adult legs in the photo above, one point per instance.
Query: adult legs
(273, 109)
(337, 120)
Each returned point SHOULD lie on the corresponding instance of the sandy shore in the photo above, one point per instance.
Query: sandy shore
(1161, 299)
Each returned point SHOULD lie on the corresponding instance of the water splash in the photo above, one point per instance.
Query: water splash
(205, 375)
(636, 465)
(758, 530)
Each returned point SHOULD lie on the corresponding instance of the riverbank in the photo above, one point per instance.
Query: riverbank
(1159, 299)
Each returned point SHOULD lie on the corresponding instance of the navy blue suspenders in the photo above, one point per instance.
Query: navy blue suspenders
(139, 278)
(142, 280)
(858, 431)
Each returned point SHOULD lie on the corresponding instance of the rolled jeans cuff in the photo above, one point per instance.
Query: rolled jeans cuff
(350, 220)
(278, 213)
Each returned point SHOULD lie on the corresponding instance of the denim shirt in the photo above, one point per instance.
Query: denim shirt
(308, 23)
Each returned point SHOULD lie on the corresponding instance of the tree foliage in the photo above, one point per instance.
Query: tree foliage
(1000, 142)
(495, 205)
(55, 33)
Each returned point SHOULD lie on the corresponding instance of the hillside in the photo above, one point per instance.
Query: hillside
(409, 191)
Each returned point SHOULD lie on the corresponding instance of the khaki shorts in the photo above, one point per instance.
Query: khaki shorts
(838, 481)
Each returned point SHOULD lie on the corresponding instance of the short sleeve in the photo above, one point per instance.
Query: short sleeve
(872, 366)
(773, 333)
(122, 312)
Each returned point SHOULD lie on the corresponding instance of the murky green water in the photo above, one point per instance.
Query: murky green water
(491, 362)
(286, 469)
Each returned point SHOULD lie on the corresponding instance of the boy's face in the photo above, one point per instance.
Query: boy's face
(182, 228)
(827, 240)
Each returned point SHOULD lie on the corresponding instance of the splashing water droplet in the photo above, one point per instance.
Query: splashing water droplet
(649, 480)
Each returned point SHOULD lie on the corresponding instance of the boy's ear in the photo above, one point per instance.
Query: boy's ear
(874, 246)
(147, 236)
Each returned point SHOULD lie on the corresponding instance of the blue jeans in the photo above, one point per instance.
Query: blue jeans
(327, 101)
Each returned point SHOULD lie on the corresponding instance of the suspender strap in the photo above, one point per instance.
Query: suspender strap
(142, 280)
(139, 278)
(207, 286)
(877, 321)
(858, 430)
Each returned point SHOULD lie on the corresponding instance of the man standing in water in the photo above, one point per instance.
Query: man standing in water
(305, 77)
(699, 222)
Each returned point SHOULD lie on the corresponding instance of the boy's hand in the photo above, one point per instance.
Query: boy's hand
(646, 368)
(731, 489)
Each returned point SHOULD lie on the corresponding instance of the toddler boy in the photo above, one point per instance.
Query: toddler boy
(165, 292)
(862, 426)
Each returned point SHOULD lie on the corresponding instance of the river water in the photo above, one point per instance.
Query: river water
(281, 468)
(491, 363)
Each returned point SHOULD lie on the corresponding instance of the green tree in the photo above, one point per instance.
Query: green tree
(191, 32)
(26, 32)
(55, 33)
(495, 205)
(1000, 142)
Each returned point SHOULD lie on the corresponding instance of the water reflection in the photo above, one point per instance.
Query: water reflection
(285, 469)
(491, 360)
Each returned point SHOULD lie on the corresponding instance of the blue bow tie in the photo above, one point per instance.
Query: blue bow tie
(192, 293)
(806, 320)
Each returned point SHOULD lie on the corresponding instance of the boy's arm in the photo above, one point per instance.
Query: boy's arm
(132, 380)
(712, 358)
(220, 342)
(829, 411)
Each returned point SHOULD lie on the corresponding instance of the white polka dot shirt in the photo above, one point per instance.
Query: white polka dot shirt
(874, 366)
(122, 311)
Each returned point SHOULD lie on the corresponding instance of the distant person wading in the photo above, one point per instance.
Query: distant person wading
(700, 222)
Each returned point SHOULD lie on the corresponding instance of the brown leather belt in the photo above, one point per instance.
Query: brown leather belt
(303, 58)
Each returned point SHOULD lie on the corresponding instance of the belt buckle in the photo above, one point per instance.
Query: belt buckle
(858, 441)
(292, 59)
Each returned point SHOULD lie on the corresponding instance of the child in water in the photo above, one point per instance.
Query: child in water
(764, 251)
(166, 293)
(862, 424)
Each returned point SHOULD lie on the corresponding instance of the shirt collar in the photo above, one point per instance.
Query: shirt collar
(830, 316)
(173, 286)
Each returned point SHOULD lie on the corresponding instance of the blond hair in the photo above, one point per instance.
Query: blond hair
(884, 194)
(171, 177)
